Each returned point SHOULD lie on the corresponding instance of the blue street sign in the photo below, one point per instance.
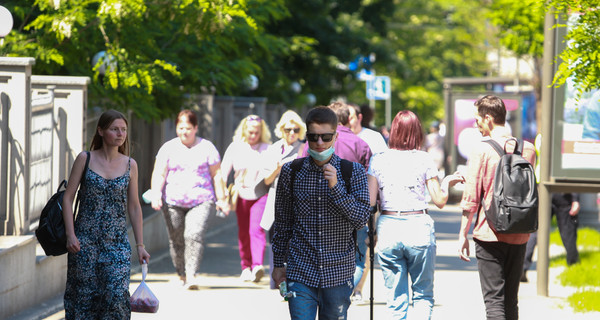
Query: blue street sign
(379, 88)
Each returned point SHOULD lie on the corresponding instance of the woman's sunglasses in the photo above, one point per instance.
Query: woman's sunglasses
(314, 137)
(288, 130)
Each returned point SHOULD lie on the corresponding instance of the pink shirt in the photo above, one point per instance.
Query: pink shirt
(481, 169)
(188, 182)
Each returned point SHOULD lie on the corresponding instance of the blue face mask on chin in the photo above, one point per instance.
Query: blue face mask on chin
(321, 156)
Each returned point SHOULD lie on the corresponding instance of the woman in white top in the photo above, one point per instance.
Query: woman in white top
(406, 246)
(291, 129)
(245, 156)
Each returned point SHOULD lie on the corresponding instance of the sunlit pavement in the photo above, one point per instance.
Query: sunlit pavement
(222, 295)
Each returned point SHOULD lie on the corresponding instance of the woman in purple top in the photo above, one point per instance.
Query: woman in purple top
(185, 179)
(245, 156)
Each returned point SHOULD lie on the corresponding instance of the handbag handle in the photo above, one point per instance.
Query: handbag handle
(144, 270)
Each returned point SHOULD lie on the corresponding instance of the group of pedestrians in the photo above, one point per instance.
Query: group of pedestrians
(312, 200)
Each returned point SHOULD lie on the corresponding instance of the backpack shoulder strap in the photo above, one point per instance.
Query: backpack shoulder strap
(496, 146)
(296, 165)
(79, 192)
(346, 167)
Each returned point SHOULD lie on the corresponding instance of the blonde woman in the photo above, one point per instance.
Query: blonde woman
(291, 130)
(245, 157)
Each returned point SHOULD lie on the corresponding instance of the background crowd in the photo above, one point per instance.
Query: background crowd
(311, 193)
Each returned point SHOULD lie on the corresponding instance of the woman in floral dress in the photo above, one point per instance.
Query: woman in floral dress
(97, 242)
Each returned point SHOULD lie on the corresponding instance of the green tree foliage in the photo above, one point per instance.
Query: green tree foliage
(155, 50)
(430, 41)
(520, 29)
(324, 37)
(158, 49)
(580, 59)
(520, 26)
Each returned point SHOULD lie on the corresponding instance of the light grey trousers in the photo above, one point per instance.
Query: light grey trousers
(186, 228)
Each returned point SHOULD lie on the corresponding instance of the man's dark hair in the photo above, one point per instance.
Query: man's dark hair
(492, 105)
(342, 111)
(367, 116)
(321, 115)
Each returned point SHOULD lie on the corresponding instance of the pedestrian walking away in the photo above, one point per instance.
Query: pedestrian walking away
(406, 240)
(98, 246)
(186, 185)
(499, 256)
(377, 144)
(315, 218)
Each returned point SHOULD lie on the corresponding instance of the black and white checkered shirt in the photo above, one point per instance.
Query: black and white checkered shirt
(314, 226)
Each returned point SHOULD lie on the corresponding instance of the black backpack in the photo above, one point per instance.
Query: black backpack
(51, 230)
(346, 168)
(514, 207)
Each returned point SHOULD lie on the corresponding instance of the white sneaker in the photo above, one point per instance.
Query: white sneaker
(257, 273)
(246, 275)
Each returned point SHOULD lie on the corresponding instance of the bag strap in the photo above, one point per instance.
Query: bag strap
(345, 166)
(502, 151)
(81, 183)
(496, 146)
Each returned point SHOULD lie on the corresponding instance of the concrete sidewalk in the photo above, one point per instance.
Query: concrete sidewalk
(222, 295)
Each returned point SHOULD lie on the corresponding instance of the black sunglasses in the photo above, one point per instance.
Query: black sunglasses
(314, 137)
(288, 130)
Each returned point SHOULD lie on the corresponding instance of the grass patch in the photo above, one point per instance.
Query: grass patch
(584, 275)
(585, 301)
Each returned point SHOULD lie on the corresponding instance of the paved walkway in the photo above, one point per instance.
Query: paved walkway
(223, 296)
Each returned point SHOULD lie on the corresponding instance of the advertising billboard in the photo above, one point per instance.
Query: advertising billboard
(576, 129)
(520, 120)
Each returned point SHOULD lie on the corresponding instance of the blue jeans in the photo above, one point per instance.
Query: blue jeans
(361, 236)
(332, 303)
(406, 246)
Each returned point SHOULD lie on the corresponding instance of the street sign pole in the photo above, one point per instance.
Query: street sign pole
(388, 112)
(380, 88)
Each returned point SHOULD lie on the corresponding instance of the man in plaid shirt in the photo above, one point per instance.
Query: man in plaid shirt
(315, 218)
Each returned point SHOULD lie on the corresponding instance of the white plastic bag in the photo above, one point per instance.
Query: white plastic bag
(143, 300)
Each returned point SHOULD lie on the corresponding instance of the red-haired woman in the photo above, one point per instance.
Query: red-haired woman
(406, 246)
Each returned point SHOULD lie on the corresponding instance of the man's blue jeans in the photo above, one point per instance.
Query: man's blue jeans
(406, 247)
(332, 303)
(361, 256)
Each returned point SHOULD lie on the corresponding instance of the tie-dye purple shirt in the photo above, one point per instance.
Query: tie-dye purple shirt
(188, 182)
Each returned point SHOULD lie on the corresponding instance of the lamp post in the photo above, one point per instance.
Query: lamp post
(6, 24)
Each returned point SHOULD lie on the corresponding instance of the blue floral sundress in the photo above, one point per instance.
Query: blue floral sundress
(98, 275)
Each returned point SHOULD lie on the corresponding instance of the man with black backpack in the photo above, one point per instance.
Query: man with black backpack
(317, 212)
(500, 250)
